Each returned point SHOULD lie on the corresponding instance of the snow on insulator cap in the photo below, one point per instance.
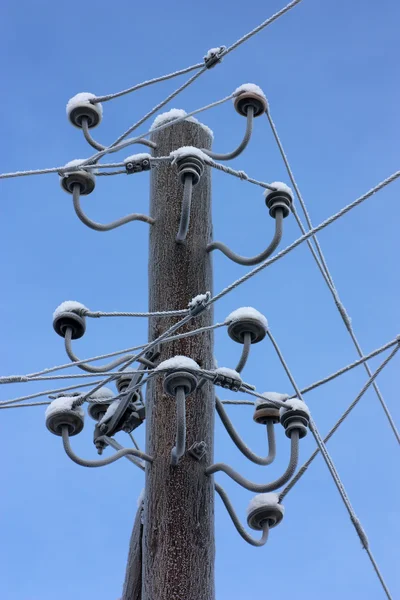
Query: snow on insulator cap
(294, 404)
(271, 397)
(264, 500)
(246, 312)
(250, 87)
(70, 306)
(82, 97)
(177, 113)
(136, 157)
(178, 362)
(63, 404)
(228, 373)
(110, 411)
(280, 187)
(103, 393)
(188, 151)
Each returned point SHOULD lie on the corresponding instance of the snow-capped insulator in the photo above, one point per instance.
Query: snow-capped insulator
(265, 508)
(68, 316)
(99, 401)
(246, 320)
(190, 165)
(248, 95)
(81, 106)
(178, 379)
(295, 416)
(85, 179)
(281, 198)
(60, 413)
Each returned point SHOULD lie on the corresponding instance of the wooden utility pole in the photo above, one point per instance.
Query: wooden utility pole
(178, 525)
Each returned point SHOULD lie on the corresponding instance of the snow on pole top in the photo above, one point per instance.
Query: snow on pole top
(188, 151)
(250, 87)
(294, 404)
(247, 312)
(271, 397)
(178, 362)
(70, 306)
(139, 156)
(78, 99)
(263, 500)
(103, 393)
(281, 187)
(177, 113)
(63, 404)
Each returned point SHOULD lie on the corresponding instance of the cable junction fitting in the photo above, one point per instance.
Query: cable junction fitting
(199, 304)
(214, 56)
(190, 169)
(137, 163)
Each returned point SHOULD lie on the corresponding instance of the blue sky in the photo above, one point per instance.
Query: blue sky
(328, 69)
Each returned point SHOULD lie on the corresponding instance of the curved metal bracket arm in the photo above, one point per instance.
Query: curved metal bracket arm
(245, 353)
(98, 146)
(235, 519)
(114, 444)
(180, 445)
(90, 368)
(100, 226)
(185, 210)
(253, 260)
(257, 487)
(105, 461)
(239, 443)
(243, 144)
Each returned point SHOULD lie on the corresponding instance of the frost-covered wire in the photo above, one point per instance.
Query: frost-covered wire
(331, 467)
(103, 462)
(25, 405)
(161, 313)
(238, 402)
(141, 353)
(237, 440)
(352, 365)
(100, 226)
(91, 368)
(262, 25)
(243, 144)
(253, 260)
(134, 442)
(308, 462)
(240, 174)
(260, 488)
(88, 137)
(304, 237)
(322, 265)
(236, 521)
(157, 129)
(47, 393)
(143, 84)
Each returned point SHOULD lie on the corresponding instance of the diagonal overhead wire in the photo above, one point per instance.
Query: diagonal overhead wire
(305, 237)
(332, 470)
(327, 275)
(308, 462)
